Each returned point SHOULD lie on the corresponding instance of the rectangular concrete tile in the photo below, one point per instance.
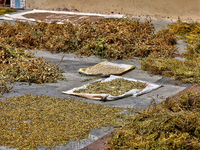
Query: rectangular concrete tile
(6, 148)
(163, 92)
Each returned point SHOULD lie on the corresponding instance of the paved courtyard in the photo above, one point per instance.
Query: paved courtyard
(71, 64)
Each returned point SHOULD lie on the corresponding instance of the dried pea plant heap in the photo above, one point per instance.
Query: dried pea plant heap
(172, 125)
(30, 121)
(107, 38)
(114, 87)
(187, 71)
(18, 65)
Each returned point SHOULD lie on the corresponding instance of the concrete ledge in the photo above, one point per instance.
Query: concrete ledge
(100, 143)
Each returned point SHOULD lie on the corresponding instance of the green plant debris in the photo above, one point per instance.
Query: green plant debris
(186, 31)
(107, 38)
(6, 11)
(30, 121)
(114, 87)
(172, 125)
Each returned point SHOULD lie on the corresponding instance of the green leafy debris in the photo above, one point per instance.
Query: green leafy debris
(114, 87)
(30, 121)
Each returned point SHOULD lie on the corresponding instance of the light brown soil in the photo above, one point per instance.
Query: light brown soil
(54, 17)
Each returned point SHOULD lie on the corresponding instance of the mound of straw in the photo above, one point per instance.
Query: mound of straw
(175, 124)
(107, 38)
(186, 71)
(18, 65)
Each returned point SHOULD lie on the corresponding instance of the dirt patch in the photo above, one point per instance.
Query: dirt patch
(51, 17)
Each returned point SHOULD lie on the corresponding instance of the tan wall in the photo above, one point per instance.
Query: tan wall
(170, 9)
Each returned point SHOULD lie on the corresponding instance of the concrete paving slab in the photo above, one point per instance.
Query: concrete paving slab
(181, 46)
(6, 148)
(158, 24)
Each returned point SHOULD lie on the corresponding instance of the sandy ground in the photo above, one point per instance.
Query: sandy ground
(56, 16)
